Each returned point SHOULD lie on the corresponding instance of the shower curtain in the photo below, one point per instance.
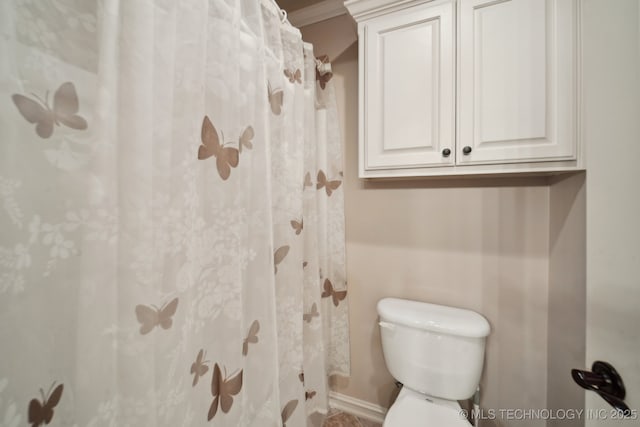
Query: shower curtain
(171, 213)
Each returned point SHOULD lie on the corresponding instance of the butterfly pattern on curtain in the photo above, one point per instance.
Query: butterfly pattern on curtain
(323, 73)
(41, 412)
(170, 217)
(64, 110)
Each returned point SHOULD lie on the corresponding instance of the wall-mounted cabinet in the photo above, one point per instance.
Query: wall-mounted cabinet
(467, 87)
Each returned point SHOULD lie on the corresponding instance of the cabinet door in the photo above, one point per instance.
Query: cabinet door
(407, 92)
(517, 92)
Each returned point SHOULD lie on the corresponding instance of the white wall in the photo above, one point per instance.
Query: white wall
(611, 82)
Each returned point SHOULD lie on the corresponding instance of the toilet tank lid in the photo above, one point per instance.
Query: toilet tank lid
(433, 317)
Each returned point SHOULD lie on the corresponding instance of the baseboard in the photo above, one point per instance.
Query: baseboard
(357, 407)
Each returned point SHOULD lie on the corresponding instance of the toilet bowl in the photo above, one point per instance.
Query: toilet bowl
(413, 409)
(437, 353)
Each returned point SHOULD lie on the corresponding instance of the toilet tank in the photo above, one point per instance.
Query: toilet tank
(433, 349)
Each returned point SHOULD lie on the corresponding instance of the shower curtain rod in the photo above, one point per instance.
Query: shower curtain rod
(283, 12)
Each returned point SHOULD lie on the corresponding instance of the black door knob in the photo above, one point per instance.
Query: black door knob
(605, 381)
(446, 152)
(466, 150)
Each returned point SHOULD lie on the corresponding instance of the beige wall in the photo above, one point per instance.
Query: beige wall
(567, 294)
(476, 243)
(331, 37)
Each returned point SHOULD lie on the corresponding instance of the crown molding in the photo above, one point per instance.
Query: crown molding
(361, 10)
(322, 11)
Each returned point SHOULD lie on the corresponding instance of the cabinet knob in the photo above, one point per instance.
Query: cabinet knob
(446, 152)
(466, 150)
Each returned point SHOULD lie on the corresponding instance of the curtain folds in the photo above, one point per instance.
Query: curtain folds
(171, 216)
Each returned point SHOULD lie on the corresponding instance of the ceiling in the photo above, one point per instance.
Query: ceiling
(291, 5)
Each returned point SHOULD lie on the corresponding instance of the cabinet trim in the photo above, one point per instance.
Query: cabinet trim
(363, 10)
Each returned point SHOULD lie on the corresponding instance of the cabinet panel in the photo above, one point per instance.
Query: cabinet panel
(409, 85)
(517, 91)
(408, 70)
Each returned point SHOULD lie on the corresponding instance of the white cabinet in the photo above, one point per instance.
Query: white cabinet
(517, 85)
(467, 87)
(408, 70)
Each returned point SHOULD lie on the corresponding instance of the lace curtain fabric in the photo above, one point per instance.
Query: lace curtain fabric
(171, 216)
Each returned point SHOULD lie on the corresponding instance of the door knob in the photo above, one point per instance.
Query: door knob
(446, 152)
(604, 380)
(466, 150)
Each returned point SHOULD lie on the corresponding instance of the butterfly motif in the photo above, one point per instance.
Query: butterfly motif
(309, 395)
(42, 412)
(150, 317)
(308, 317)
(323, 77)
(65, 109)
(226, 157)
(307, 181)
(337, 296)
(304, 264)
(252, 337)
(199, 367)
(223, 391)
(297, 225)
(293, 76)
(245, 139)
(288, 410)
(301, 377)
(275, 97)
(329, 186)
(279, 255)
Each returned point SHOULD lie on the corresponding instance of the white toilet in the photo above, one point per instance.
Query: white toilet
(437, 353)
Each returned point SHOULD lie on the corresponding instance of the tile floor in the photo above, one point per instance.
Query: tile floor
(341, 419)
